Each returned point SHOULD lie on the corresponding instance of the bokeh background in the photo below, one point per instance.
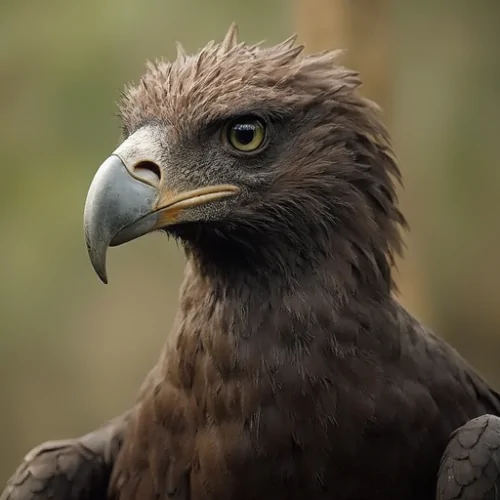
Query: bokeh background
(73, 351)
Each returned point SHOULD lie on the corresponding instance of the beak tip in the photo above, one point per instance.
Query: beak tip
(99, 266)
(102, 276)
(98, 259)
(100, 270)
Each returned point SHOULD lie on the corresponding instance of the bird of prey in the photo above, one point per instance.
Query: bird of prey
(292, 372)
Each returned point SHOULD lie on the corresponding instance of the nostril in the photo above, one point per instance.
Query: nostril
(148, 171)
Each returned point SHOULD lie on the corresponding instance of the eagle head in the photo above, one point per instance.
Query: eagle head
(260, 152)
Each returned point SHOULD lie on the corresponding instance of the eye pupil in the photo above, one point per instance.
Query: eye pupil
(244, 133)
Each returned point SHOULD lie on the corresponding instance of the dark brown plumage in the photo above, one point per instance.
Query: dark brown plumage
(291, 372)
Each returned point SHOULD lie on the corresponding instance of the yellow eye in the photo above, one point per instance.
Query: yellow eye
(246, 135)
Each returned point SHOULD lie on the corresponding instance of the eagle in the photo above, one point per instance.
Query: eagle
(292, 371)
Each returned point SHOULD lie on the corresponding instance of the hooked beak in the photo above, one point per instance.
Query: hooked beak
(125, 203)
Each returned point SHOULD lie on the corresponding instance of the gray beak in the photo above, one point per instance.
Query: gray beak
(118, 209)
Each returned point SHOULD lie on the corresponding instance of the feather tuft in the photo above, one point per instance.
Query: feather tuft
(230, 40)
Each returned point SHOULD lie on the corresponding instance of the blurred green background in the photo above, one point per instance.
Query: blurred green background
(73, 351)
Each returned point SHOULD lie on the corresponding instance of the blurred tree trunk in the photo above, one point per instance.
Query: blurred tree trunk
(448, 115)
(364, 28)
